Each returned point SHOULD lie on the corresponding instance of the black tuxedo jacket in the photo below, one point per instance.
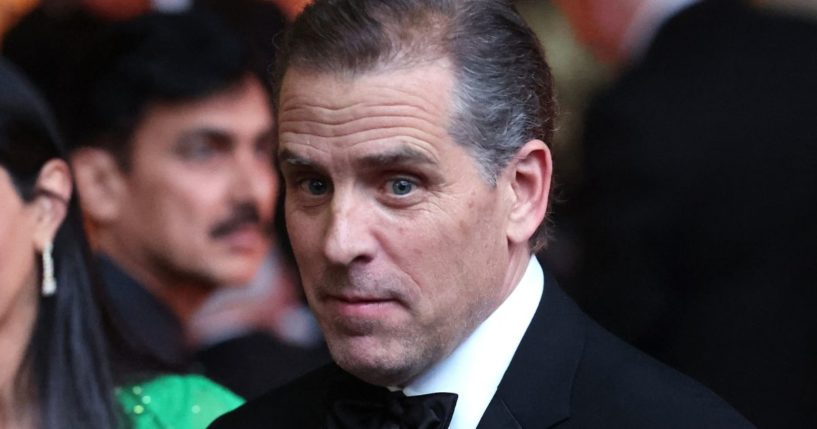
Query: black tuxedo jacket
(700, 211)
(567, 373)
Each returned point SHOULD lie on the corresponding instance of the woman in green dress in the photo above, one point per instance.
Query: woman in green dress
(53, 367)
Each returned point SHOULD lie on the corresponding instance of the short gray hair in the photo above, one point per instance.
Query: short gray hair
(503, 95)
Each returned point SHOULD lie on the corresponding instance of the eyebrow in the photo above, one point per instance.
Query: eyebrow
(207, 132)
(402, 155)
(288, 157)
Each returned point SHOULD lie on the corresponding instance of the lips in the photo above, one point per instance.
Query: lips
(361, 306)
(248, 238)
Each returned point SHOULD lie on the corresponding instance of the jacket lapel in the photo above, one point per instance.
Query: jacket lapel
(536, 389)
(498, 416)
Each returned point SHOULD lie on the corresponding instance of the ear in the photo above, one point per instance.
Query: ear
(53, 189)
(530, 178)
(100, 183)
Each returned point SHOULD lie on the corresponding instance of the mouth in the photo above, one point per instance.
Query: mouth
(361, 307)
(246, 238)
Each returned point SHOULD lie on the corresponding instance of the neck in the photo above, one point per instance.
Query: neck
(18, 405)
(183, 299)
(517, 265)
(184, 295)
(16, 388)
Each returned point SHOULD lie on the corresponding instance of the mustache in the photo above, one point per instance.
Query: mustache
(242, 215)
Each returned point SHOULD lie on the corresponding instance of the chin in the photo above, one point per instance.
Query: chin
(373, 364)
(377, 374)
(237, 273)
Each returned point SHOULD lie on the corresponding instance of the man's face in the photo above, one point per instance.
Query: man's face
(200, 190)
(400, 241)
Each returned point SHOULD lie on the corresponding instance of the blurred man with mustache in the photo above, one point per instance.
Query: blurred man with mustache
(174, 131)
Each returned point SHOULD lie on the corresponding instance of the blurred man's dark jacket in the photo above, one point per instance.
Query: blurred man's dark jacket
(700, 207)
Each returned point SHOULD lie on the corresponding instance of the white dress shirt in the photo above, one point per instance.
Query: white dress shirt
(475, 368)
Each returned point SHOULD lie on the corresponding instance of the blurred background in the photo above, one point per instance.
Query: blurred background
(685, 210)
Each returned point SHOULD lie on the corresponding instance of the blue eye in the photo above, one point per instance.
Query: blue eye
(317, 187)
(402, 186)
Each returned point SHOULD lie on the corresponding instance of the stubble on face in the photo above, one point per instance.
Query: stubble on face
(393, 351)
(383, 351)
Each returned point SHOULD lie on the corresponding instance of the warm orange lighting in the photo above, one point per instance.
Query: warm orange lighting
(11, 11)
(291, 8)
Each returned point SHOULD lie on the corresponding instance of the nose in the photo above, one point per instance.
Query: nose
(348, 238)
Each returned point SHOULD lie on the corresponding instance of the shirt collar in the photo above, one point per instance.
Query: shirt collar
(494, 341)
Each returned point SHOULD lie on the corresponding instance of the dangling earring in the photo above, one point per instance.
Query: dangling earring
(49, 282)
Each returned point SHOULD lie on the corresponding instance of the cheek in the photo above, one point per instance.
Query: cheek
(171, 221)
(17, 264)
(187, 205)
(428, 248)
(466, 226)
(305, 237)
(460, 247)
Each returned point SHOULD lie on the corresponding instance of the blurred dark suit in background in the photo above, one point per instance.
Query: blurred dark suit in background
(699, 207)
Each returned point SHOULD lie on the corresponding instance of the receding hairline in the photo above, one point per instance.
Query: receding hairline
(418, 38)
(403, 60)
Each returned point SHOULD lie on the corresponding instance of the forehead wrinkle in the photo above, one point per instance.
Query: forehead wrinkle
(354, 104)
(327, 117)
(392, 152)
(329, 112)
(319, 135)
(359, 92)
(371, 123)
(361, 115)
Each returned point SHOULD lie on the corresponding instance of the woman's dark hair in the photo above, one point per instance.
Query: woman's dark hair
(65, 358)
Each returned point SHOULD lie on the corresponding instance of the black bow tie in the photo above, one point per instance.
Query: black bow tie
(359, 405)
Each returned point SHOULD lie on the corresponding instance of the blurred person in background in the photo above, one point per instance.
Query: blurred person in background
(258, 22)
(55, 373)
(699, 195)
(172, 133)
(798, 7)
(173, 166)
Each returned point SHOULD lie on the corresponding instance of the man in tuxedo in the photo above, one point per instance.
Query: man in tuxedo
(413, 141)
(699, 202)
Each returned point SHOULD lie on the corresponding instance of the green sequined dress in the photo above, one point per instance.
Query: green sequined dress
(175, 402)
